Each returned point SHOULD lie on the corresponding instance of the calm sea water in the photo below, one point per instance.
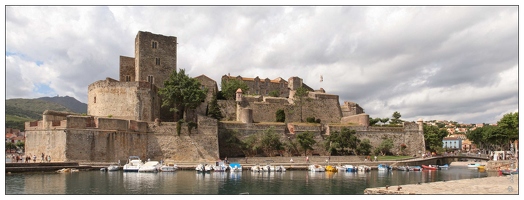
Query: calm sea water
(223, 183)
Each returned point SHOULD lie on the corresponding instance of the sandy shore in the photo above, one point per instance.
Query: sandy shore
(488, 185)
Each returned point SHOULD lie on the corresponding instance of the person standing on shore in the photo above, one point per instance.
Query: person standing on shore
(34, 158)
(307, 159)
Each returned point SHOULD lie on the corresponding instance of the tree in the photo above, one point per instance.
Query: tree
(346, 138)
(9, 146)
(306, 141)
(181, 93)
(373, 121)
(229, 88)
(384, 120)
(364, 147)
(214, 109)
(509, 123)
(20, 145)
(270, 142)
(274, 93)
(280, 115)
(396, 118)
(385, 147)
(433, 137)
(251, 145)
(300, 96)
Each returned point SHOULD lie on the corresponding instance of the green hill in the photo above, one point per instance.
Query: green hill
(18, 111)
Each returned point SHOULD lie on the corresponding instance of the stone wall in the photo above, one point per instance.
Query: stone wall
(127, 68)
(123, 100)
(360, 119)
(408, 135)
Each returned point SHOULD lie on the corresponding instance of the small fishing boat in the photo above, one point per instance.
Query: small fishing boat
(473, 165)
(133, 164)
(220, 166)
(316, 168)
(510, 171)
(429, 167)
(364, 168)
(235, 167)
(203, 168)
(112, 168)
(351, 168)
(257, 168)
(446, 166)
(414, 168)
(331, 168)
(150, 166)
(280, 168)
(383, 167)
(168, 166)
(402, 168)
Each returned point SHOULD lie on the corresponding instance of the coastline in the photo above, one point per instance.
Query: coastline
(488, 185)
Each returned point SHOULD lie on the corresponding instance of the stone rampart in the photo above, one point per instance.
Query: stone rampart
(360, 119)
(123, 100)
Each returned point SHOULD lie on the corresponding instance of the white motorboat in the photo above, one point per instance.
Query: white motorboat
(169, 166)
(113, 168)
(203, 168)
(150, 166)
(280, 168)
(257, 168)
(133, 164)
(235, 167)
(220, 167)
(316, 168)
(268, 168)
(364, 168)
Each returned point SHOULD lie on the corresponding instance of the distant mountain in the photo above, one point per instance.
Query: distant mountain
(69, 102)
(18, 111)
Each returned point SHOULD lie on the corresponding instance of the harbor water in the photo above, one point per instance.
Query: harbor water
(185, 182)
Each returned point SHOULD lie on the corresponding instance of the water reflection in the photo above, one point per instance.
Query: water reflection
(191, 182)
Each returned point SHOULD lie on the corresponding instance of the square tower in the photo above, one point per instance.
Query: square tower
(155, 57)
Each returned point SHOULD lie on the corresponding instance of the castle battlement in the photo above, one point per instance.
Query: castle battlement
(51, 122)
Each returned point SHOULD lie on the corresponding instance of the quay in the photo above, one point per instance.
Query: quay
(489, 185)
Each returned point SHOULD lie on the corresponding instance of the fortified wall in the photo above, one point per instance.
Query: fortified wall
(68, 137)
(410, 134)
(124, 100)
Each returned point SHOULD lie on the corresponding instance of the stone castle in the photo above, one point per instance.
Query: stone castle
(125, 116)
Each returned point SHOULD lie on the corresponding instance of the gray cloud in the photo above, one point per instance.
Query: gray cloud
(432, 62)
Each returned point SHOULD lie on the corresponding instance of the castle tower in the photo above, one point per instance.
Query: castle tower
(155, 57)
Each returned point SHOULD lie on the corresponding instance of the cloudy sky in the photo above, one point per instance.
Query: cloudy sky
(455, 63)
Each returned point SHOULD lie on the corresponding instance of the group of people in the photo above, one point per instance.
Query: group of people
(27, 158)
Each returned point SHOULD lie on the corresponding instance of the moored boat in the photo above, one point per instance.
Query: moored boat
(280, 168)
(351, 168)
(473, 165)
(316, 168)
(414, 168)
(510, 171)
(235, 167)
(113, 168)
(446, 166)
(220, 166)
(383, 167)
(168, 166)
(256, 168)
(331, 168)
(364, 168)
(429, 167)
(203, 168)
(133, 164)
(150, 166)
(402, 168)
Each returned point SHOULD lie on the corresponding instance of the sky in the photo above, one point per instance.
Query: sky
(457, 63)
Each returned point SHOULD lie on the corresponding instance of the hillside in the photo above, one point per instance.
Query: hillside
(68, 102)
(18, 111)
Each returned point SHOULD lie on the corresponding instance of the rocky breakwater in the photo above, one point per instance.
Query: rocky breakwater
(489, 185)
